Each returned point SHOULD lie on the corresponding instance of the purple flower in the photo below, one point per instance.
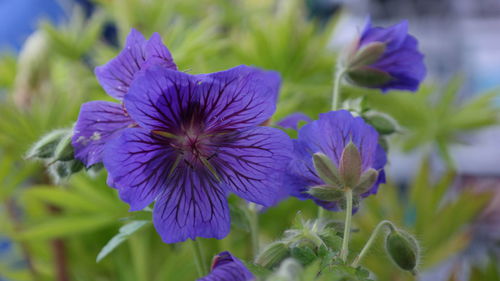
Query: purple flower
(198, 140)
(330, 135)
(292, 120)
(226, 267)
(386, 58)
(101, 121)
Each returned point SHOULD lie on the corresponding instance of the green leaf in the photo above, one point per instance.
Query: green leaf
(65, 226)
(124, 232)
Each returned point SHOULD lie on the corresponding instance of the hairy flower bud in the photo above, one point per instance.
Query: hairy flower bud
(289, 270)
(46, 146)
(61, 170)
(64, 150)
(273, 255)
(403, 250)
(350, 165)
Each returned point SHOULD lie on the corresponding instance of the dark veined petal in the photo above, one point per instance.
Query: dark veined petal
(98, 123)
(193, 204)
(253, 162)
(227, 267)
(117, 75)
(162, 99)
(239, 97)
(138, 164)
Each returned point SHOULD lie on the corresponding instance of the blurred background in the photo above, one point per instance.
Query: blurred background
(444, 170)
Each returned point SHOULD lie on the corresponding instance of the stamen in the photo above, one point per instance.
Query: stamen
(164, 134)
(210, 168)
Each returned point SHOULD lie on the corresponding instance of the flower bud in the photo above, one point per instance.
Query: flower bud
(366, 181)
(303, 254)
(350, 165)
(326, 193)
(403, 250)
(273, 254)
(46, 146)
(289, 270)
(383, 125)
(64, 150)
(327, 171)
(61, 170)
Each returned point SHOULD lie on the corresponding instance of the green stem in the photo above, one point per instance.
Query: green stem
(371, 240)
(347, 227)
(254, 228)
(198, 258)
(336, 88)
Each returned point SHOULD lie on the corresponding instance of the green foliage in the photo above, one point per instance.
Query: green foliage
(43, 88)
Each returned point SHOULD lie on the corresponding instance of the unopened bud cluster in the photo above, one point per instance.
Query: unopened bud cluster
(309, 241)
(56, 151)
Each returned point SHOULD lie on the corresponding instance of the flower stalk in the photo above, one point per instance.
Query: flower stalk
(347, 228)
(198, 258)
(253, 218)
(339, 73)
(371, 240)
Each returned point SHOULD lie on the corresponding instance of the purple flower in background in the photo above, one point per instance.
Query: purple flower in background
(198, 140)
(330, 135)
(226, 267)
(386, 58)
(292, 120)
(101, 121)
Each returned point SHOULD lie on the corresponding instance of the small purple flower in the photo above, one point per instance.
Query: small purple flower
(330, 135)
(198, 140)
(386, 58)
(101, 121)
(226, 267)
(292, 120)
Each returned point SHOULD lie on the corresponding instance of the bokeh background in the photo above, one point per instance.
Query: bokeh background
(444, 170)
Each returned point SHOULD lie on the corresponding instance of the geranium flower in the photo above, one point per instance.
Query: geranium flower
(101, 121)
(226, 267)
(330, 135)
(386, 58)
(198, 139)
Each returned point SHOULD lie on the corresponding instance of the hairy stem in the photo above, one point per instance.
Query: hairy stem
(198, 258)
(347, 228)
(371, 240)
(336, 88)
(253, 217)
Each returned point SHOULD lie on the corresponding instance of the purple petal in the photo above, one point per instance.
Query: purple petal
(227, 267)
(329, 135)
(292, 120)
(161, 99)
(239, 97)
(138, 164)
(193, 204)
(117, 75)
(393, 36)
(98, 123)
(252, 163)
